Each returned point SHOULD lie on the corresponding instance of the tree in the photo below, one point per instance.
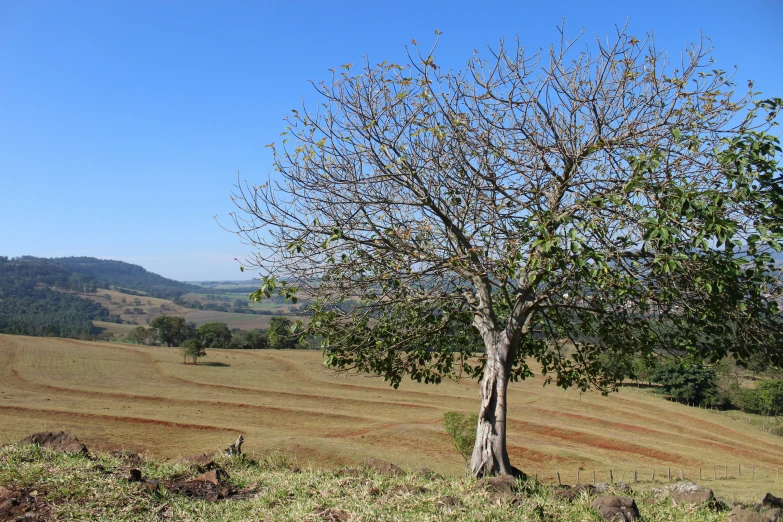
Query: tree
(567, 207)
(686, 383)
(171, 330)
(281, 335)
(141, 335)
(214, 335)
(249, 340)
(192, 349)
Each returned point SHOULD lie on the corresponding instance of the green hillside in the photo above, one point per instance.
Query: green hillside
(124, 275)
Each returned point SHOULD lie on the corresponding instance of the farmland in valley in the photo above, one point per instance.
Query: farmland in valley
(115, 395)
(152, 307)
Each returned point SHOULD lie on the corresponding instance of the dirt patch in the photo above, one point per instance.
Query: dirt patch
(25, 504)
(211, 491)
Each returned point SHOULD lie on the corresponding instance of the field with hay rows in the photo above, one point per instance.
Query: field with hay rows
(143, 398)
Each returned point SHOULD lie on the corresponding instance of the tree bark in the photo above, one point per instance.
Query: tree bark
(490, 456)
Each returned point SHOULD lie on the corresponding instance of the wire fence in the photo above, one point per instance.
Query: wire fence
(668, 474)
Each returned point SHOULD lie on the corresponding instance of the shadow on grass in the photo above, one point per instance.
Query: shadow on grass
(213, 363)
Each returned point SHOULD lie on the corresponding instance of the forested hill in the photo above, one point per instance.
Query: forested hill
(28, 305)
(123, 275)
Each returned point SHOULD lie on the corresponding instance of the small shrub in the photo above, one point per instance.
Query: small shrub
(462, 430)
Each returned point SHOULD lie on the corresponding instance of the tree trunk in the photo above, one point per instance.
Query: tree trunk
(490, 456)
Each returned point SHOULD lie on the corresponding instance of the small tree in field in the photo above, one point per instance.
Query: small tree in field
(192, 349)
(568, 207)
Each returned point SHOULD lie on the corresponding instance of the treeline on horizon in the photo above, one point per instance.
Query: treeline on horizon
(123, 275)
(176, 331)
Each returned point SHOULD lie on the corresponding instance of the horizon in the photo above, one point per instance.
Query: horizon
(126, 125)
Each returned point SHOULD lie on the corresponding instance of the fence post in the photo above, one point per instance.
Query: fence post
(682, 476)
(699, 473)
(577, 476)
(725, 472)
(611, 477)
(669, 474)
(739, 470)
(634, 475)
(593, 477)
(558, 478)
(653, 477)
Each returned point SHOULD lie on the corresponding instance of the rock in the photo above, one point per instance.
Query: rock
(201, 463)
(616, 509)
(504, 484)
(151, 485)
(134, 475)
(740, 514)
(58, 441)
(575, 492)
(383, 468)
(772, 501)
(698, 497)
(215, 477)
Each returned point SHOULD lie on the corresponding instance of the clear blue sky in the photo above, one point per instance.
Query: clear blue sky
(123, 123)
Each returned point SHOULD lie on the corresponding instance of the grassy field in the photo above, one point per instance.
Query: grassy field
(144, 398)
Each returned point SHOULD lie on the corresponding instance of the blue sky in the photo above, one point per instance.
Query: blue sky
(123, 123)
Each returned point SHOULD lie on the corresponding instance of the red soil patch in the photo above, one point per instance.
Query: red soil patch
(597, 441)
(529, 455)
(116, 418)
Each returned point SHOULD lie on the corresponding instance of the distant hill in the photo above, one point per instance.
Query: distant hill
(29, 306)
(123, 275)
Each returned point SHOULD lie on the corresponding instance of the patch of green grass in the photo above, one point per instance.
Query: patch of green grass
(78, 487)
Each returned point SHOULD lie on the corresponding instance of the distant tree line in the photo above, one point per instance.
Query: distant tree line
(175, 331)
(719, 386)
(28, 305)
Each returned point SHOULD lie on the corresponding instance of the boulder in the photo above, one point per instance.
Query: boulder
(616, 509)
(772, 501)
(58, 441)
(741, 514)
(383, 468)
(698, 497)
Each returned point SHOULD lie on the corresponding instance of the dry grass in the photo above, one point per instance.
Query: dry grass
(143, 398)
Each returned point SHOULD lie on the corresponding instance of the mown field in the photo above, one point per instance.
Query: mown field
(144, 398)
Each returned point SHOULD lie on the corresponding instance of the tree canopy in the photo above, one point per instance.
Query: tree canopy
(172, 330)
(566, 206)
